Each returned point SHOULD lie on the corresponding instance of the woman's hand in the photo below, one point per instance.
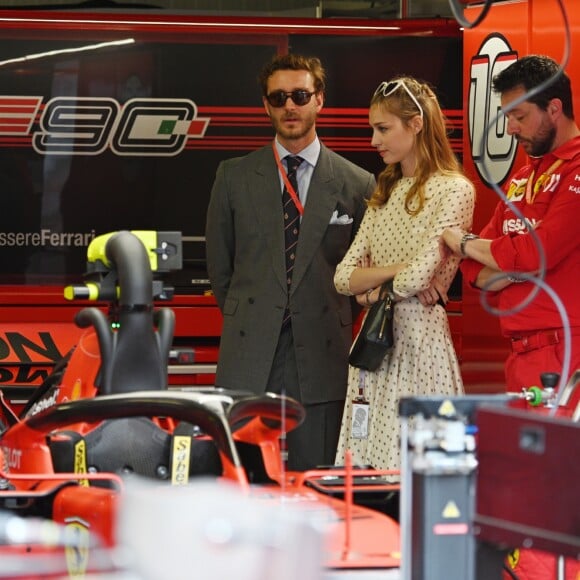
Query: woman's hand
(368, 298)
(436, 293)
(364, 262)
(364, 298)
(444, 249)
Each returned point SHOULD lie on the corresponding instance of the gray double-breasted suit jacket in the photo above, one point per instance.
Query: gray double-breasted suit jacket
(246, 266)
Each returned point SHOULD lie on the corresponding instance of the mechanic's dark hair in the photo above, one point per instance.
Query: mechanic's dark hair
(531, 71)
(293, 62)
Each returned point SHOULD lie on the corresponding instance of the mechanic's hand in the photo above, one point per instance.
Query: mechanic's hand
(452, 238)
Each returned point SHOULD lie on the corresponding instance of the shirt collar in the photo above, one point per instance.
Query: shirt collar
(310, 153)
(567, 151)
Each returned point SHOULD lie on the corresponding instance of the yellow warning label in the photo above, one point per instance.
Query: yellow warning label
(81, 461)
(180, 461)
(447, 409)
(451, 510)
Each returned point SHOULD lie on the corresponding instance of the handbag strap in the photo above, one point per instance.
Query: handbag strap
(387, 291)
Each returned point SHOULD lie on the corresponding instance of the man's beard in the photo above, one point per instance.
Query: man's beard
(543, 142)
(307, 121)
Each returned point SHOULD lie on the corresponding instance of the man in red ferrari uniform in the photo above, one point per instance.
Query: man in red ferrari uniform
(546, 193)
(544, 212)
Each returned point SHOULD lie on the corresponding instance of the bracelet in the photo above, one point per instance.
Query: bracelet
(368, 296)
(516, 279)
(464, 240)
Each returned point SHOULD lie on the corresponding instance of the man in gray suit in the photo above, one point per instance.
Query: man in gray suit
(306, 356)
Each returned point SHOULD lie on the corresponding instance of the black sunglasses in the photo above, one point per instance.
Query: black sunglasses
(300, 97)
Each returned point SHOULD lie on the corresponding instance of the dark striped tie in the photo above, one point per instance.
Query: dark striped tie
(291, 224)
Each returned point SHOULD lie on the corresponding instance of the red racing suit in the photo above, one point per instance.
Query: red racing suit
(536, 330)
(539, 565)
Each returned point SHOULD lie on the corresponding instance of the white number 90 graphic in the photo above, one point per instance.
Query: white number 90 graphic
(140, 127)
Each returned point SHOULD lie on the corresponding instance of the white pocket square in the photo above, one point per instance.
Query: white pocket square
(341, 220)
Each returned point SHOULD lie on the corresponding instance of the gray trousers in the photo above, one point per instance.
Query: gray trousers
(314, 442)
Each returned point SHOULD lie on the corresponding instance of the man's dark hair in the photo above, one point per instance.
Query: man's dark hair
(531, 71)
(293, 62)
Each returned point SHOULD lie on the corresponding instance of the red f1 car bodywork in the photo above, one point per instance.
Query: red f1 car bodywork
(106, 414)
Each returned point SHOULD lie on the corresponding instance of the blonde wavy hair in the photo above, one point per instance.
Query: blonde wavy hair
(433, 149)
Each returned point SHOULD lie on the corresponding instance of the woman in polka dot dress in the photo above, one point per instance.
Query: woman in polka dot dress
(421, 192)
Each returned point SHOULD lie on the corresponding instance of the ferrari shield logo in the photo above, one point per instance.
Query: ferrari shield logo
(77, 550)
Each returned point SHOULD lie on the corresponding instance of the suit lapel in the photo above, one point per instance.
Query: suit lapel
(265, 192)
(320, 204)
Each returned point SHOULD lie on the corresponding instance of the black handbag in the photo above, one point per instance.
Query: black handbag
(375, 339)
